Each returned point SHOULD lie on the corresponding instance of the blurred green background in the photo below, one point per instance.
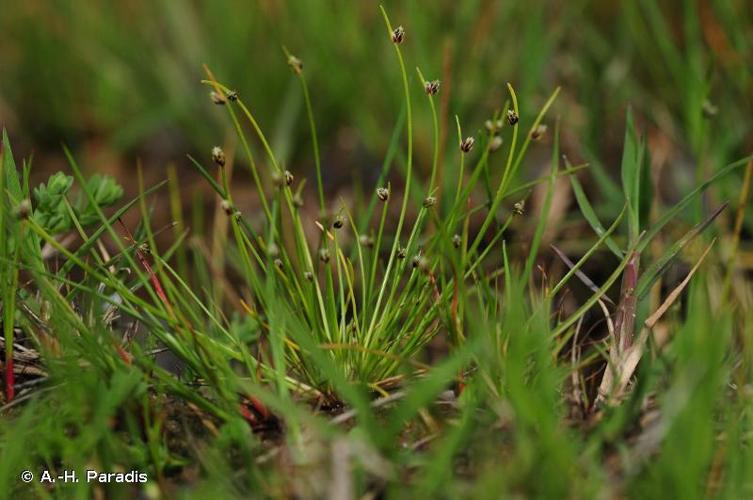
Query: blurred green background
(120, 81)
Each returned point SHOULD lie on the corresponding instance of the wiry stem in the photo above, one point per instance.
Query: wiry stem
(408, 175)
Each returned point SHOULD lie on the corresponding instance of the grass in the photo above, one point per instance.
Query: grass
(420, 340)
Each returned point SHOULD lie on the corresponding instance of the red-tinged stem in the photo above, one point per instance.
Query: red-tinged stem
(260, 413)
(248, 415)
(258, 406)
(124, 355)
(625, 323)
(155, 281)
(152, 275)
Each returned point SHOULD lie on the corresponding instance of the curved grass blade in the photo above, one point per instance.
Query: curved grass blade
(590, 215)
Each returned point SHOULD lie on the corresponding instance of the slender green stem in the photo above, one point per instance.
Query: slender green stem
(503, 184)
(587, 255)
(461, 172)
(251, 164)
(408, 177)
(435, 124)
(315, 142)
(312, 125)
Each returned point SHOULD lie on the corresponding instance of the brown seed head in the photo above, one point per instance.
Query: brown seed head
(23, 210)
(366, 240)
(289, 177)
(456, 241)
(218, 156)
(227, 207)
(467, 144)
(383, 194)
(519, 208)
(420, 262)
(217, 98)
(512, 117)
(398, 35)
(538, 132)
(295, 64)
(432, 88)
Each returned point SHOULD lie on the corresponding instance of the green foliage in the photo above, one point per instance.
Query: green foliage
(52, 212)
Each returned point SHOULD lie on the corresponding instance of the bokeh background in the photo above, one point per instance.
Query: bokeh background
(119, 82)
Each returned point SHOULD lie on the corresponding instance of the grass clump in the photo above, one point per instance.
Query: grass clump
(373, 307)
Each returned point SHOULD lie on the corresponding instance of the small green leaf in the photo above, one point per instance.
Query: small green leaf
(590, 215)
(12, 182)
(105, 191)
(630, 169)
(51, 213)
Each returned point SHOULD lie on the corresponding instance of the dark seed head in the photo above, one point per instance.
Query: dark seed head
(289, 178)
(383, 193)
(309, 276)
(227, 207)
(423, 264)
(456, 241)
(401, 253)
(278, 264)
(324, 255)
(295, 64)
(218, 156)
(217, 98)
(398, 35)
(429, 202)
(23, 210)
(232, 95)
(339, 221)
(432, 87)
(512, 117)
(366, 240)
(538, 132)
(519, 208)
(467, 144)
